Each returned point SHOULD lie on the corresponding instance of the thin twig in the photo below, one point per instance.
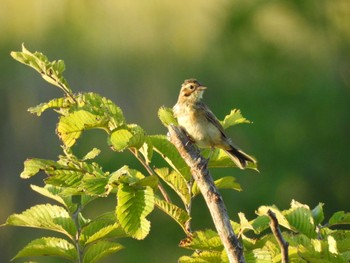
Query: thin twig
(151, 172)
(278, 235)
(210, 193)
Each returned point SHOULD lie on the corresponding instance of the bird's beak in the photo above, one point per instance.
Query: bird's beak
(202, 88)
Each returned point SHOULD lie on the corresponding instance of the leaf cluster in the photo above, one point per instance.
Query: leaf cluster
(74, 182)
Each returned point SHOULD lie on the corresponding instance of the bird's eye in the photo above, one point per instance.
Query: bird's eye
(191, 87)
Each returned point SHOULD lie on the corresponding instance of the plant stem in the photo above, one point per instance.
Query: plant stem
(151, 172)
(75, 217)
(210, 193)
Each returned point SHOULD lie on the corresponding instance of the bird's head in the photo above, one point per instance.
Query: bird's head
(191, 91)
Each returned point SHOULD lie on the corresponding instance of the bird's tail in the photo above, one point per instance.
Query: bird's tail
(240, 158)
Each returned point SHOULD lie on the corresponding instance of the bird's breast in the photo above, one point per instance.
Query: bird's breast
(203, 132)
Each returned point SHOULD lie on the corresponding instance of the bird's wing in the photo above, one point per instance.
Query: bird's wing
(211, 117)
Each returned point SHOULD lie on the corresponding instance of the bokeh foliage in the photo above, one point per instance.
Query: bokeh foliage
(284, 63)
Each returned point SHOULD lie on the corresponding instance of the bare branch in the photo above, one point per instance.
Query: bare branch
(278, 235)
(210, 193)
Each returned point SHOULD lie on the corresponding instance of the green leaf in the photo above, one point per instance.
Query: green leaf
(65, 178)
(339, 218)
(102, 227)
(203, 240)
(227, 182)
(133, 207)
(176, 182)
(166, 116)
(317, 214)
(100, 250)
(235, 117)
(54, 103)
(262, 211)
(102, 107)
(300, 217)
(71, 126)
(33, 166)
(49, 246)
(175, 212)
(147, 150)
(92, 154)
(50, 217)
(126, 175)
(121, 139)
(50, 71)
(170, 154)
(49, 191)
(202, 257)
(95, 186)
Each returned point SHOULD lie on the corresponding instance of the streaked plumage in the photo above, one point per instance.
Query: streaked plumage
(201, 124)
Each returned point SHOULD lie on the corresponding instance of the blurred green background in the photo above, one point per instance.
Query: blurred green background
(285, 64)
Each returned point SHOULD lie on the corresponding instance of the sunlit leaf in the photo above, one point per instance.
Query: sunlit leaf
(167, 150)
(71, 126)
(175, 212)
(300, 217)
(92, 154)
(233, 118)
(52, 104)
(176, 182)
(99, 250)
(317, 214)
(166, 116)
(133, 207)
(227, 182)
(340, 218)
(49, 246)
(33, 166)
(203, 240)
(262, 211)
(202, 257)
(50, 217)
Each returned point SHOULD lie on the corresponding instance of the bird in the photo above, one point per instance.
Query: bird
(201, 125)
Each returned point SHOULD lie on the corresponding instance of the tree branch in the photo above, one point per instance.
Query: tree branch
(278, 235)
(210, 193)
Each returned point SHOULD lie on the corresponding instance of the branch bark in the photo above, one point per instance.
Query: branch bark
(210, 193)
(278, 235)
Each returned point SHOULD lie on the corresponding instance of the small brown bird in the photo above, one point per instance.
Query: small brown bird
(202, 126)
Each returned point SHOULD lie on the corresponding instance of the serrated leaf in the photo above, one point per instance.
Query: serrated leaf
(92, 154)
(102, 107)
(133, 207)
(71, 126)
(317, 214)
(170, 154)
(339, 218)
(244, 224)
(94, 186)
(233, 118)
(54, 103)
(227, 182)
(50, 217)
(262, 211)
(49, 246)
(126, 175)
(177, 182)
(202, 257)
(48, 191)
(300, 218)
(175, 212)
(99, 250)
(166, 116)
(151, 180)
(102, 227)
(133, 137)
(147, 150)
(33, 166)
(65, 178)
(203, 240)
